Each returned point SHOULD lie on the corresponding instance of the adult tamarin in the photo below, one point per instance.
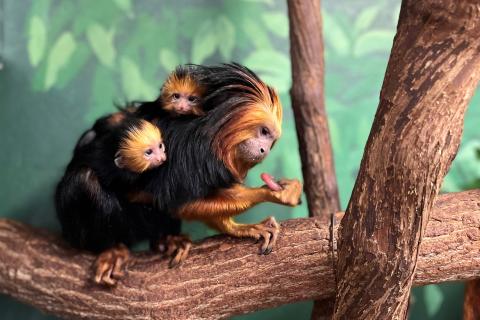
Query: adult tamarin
(91, 214)
(209, 156)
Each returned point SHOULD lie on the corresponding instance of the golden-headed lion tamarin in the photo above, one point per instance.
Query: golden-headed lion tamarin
(209, 157)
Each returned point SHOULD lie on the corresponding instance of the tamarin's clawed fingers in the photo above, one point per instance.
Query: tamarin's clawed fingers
(109, 265)
(174, 247)
(290, 194)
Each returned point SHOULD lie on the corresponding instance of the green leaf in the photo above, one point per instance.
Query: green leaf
(433, 299)
(277, 23)
(168, 59)
(335, 35)
(37, 38)
(225, 36)
(365, 18)
(273, 67)
(125, 6)
(75, 66)
(204, 42)
(134, 86)
(374, 41)
(59, 56)
(257, 34)
(101, 42)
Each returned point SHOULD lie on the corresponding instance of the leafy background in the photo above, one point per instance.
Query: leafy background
(66, 62)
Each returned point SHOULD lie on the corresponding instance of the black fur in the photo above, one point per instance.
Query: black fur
(192, 171)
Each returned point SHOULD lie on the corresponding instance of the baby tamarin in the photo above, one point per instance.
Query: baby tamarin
(87, 199)
(181, 94)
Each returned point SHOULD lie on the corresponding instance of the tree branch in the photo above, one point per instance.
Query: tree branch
(433, 70)
(223, 276)
(308, 104)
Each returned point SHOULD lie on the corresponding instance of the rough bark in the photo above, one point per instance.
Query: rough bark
(471, 304)
(308, 104)
(433, 70)
(223, 276)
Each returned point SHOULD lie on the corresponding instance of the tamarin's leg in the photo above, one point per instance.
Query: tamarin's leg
(174, 246)
(268, 229)
(109, 265)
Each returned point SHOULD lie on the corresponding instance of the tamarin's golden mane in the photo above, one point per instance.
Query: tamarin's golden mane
(260, 107)
(136, 141)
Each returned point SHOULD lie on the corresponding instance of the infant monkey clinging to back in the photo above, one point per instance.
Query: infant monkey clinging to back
(181, 94)
(85, 197)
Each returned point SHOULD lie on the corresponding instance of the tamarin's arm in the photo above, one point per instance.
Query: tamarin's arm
(237, 199)
(217, 211)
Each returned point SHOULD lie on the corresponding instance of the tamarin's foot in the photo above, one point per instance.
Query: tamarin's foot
(268, 229)
(109, 265)
(176, 247)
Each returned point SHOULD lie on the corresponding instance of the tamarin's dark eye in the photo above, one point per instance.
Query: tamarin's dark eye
(192, 98)
(160, 146)
(149, 152)
(176, 96)
(265, 131)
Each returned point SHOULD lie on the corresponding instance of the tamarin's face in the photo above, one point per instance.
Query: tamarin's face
(256, 148)
(251, 124)
(182, 94)
(154, 154)
(141, 149)
(183, 102)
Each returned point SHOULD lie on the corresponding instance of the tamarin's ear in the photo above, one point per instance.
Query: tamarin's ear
(119, 160)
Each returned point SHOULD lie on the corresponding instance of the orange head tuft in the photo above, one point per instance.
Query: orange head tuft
(259, 107)
(136, 142)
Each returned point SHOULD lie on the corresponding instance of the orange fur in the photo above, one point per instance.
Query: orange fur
(137, 141)
(184, 84)
(262, 109)
(224, 203)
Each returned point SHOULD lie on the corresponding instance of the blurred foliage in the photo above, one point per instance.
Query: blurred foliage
(68, 61)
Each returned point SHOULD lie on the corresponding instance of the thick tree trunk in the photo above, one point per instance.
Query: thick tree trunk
(471, 305)
(222, 276)
(433, 70)
(308, 103)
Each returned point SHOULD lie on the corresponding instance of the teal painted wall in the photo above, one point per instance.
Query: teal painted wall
(66, 62)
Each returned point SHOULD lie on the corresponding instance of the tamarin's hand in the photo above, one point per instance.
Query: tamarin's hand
(290, 193)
